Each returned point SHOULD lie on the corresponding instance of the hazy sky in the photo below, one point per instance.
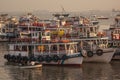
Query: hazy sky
(55, 5)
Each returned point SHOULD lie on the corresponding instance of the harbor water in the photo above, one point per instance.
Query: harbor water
(88, 71)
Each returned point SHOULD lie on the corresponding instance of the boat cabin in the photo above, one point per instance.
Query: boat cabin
(25, 49)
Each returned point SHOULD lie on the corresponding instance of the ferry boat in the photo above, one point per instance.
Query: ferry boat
(94, 20)
(45, 53)
(38, 46)
(7, 27)
(114, 36)
(96, 49)
(102, 18)
(3, 35)
(90, 34)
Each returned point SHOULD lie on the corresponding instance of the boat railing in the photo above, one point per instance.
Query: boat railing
(22, 53)
(54, 52)
(49, 53)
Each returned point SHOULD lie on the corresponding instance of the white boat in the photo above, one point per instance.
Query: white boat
(45, 51)
(105, 57)
(96, 50)
(31, 66)
(94, 20)
(102, 18)
(114, 36)
(94, 43)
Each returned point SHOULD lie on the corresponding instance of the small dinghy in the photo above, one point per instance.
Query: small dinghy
(31, 66)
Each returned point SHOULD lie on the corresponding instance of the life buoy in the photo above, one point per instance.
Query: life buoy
(99, 52)
(13, 58)
(55, 58)
(64, 57)
(25, 58)
(5, 56)
(48, 58)
(8, 57)
(40, 58)
(32, 58)
(89, 53)
(84, 53)
(19, 59)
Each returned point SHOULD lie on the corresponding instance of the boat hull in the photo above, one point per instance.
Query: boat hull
(77, 61)
(116, 56)
(31, 66)
(105, 58)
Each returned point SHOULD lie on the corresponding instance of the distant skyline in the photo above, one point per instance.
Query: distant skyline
(55, 5)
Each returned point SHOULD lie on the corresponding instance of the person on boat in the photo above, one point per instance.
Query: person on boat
(32, 63)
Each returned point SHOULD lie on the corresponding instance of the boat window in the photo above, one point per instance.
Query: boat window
(36, 34)
(33, 34)
(11, 47)
(91, 29)
(43, 34)
(84, 30)
(62, 47)
(72, 47)
(17, 48)
(40, 48)
(24, 48)
(80, 29)
(95, 29)
(48, 34)
(24, 29)
(38, 29)
(54, 48)
(30, 29)
(68, 47)
(46, 48)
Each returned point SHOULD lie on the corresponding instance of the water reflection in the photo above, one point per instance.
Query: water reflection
(62, 73)
(97, 71)
(15, 73)
(116, 69)
(89, 71)
(46, 73)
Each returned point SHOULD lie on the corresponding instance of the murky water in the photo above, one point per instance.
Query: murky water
(89, 71)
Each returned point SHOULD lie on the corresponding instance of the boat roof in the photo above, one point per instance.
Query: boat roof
(92, 38)
(28, 44)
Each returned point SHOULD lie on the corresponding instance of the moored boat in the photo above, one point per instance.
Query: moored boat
(102, 18)
(104, 57)
(96, 50)
(44, 51)
(114, 36)
(31, 66)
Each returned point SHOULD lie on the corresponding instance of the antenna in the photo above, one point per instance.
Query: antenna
(63, 10)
